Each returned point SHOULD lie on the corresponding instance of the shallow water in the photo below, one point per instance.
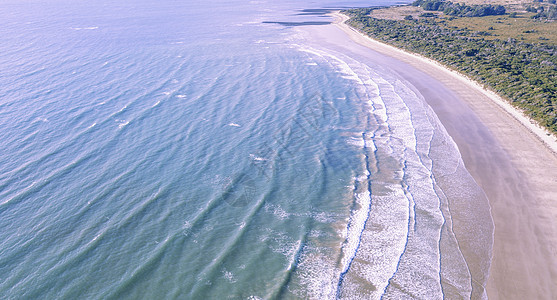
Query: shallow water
(186, 150)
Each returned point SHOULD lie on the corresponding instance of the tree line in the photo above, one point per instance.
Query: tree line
(460, 10)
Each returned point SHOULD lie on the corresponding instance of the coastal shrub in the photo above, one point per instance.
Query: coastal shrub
(542, 13)
(471, 52)
(551, 13)
(524, 73)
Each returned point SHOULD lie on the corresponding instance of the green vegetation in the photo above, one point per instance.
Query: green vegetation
(550, 13)
(520, 27)
(428, 15)
(460, 10)
(543, 12)
(523, 72)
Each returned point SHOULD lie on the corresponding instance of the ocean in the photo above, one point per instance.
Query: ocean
(190, 150)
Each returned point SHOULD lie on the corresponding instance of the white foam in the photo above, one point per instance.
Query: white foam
(279, 242)
(123, 123)
(386, 254)
(257, 158)
(317, 275)
(277, 211)
(96, 237)
(356, 141)
(241, 225)
(229, 276)
(390, 212)
(124, 107)
(41, 119)
(384, 242)
(308, 50)
(234, 125)
(85, 28)
(323, 217)
(357, 222)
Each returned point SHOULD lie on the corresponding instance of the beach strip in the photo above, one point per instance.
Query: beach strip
(512, 159)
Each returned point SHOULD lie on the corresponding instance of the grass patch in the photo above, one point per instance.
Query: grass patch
(521, 27)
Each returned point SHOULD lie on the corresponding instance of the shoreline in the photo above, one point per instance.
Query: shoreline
(511, 157)
(543, 134)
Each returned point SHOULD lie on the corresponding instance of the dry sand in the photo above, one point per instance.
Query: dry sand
(514, 161)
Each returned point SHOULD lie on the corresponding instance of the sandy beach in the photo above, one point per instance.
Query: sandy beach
(512, 159)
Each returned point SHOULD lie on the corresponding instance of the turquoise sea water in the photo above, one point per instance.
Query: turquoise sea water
(171, 149)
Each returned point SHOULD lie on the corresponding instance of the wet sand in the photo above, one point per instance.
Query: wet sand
(512, 160)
